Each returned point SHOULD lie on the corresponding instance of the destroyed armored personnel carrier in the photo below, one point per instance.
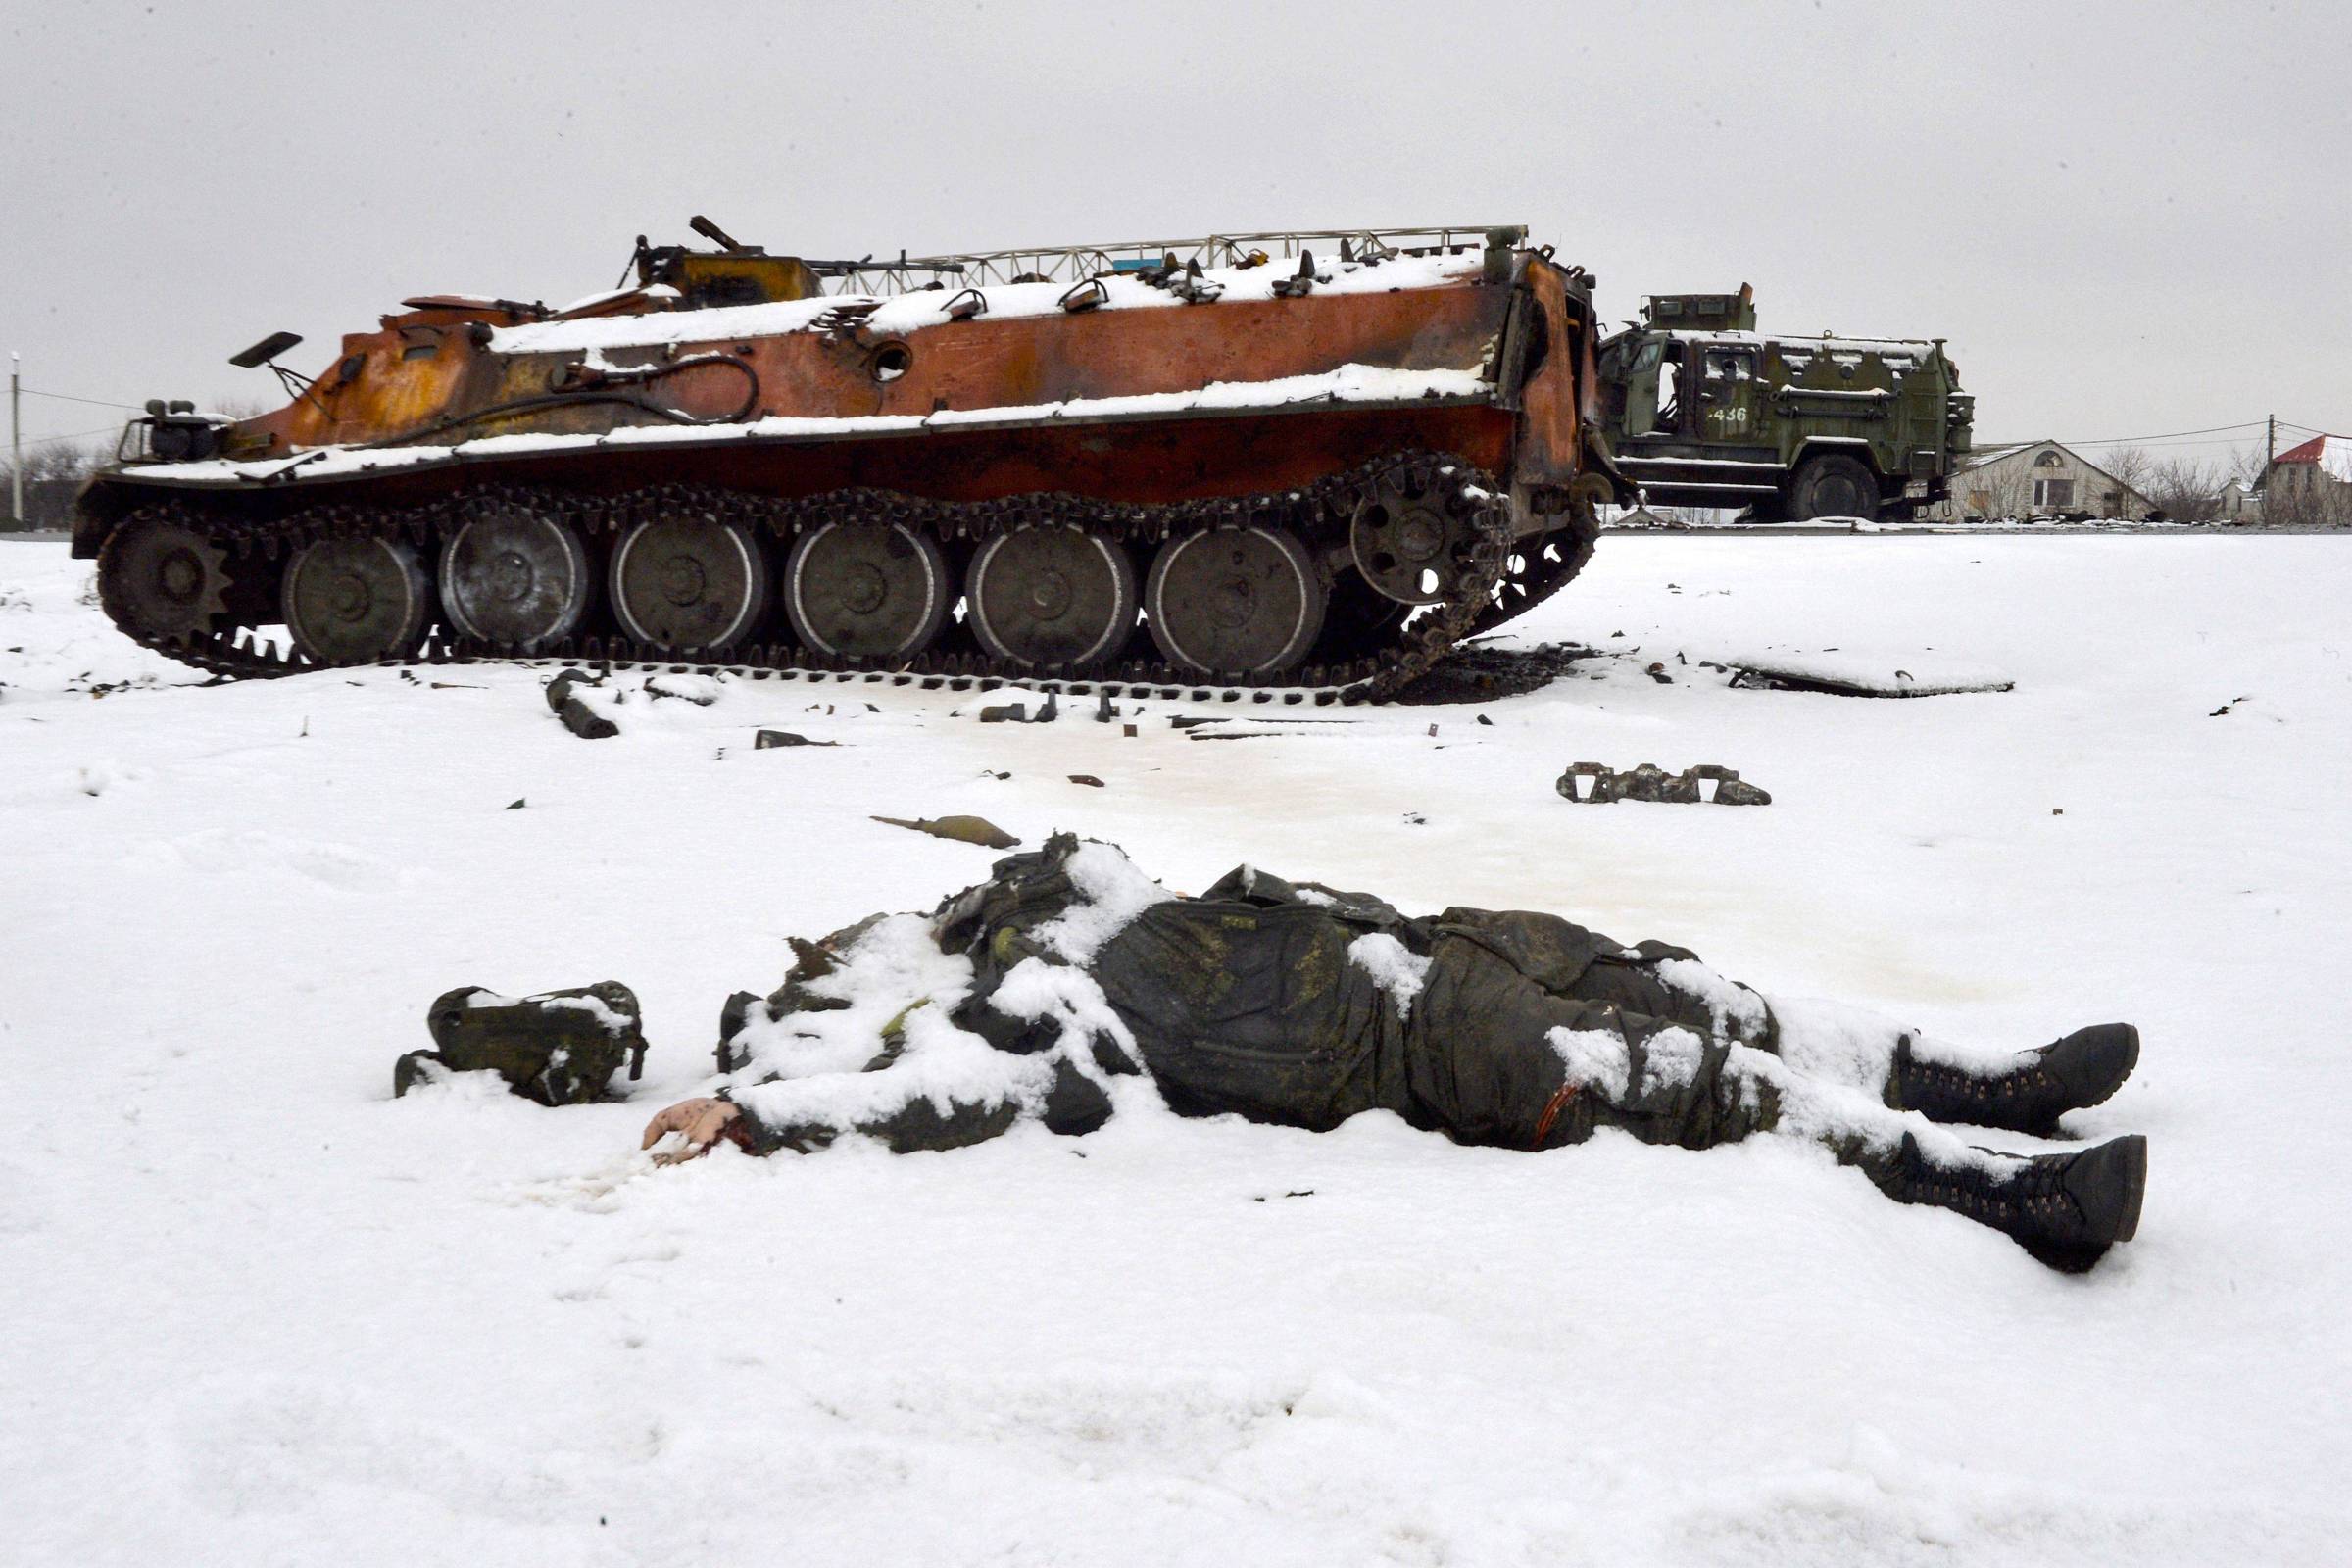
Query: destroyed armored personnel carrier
(1309, 461)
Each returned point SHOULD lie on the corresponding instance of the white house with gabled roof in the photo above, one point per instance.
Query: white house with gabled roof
(2035, 479)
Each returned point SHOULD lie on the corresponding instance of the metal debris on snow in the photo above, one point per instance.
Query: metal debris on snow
(963, 830)
(1649, 782)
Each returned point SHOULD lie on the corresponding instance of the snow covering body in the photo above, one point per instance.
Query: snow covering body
(1069, 985)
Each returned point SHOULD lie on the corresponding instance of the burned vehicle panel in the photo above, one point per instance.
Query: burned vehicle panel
(1202, 462)
(1704, 411)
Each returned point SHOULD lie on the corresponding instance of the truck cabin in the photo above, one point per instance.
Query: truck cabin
(1688, 387)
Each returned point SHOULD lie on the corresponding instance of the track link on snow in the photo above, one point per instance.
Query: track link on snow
(1502, 578)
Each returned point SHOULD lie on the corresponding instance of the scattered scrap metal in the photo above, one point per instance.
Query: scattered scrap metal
(1195, 725)
(1808, 678)
(562, 697)
(700, 690)
(1019, 712)
(1652, 783)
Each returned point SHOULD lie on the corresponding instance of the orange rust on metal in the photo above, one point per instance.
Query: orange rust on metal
(420, 369)
(451, 370)
(1551, 443)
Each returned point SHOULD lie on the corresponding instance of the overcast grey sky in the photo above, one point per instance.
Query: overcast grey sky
(2126, 219)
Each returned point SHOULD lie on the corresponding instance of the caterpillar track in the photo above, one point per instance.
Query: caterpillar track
(1194, 468)
(1369, 649)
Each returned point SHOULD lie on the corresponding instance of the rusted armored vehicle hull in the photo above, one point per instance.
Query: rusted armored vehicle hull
(1278, 472)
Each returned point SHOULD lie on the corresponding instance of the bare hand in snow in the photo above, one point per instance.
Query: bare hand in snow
(700, 1122)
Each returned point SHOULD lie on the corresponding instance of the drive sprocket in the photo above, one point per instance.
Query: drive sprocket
(161, 580)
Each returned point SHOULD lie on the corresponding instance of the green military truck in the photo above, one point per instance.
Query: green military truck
(1704, 411)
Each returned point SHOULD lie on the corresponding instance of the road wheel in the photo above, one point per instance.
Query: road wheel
(1235, 601)
(866, 590)
(159, 578)
(694, 584)
(516, 576)
(1831, 484)
(356, 601)
(1051, 597)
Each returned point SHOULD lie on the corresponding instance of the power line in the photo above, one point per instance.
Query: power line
(2212, 436)
(78, 435)
(2207, 440)
(2133, 440)
(2254, 434)
(67, 397)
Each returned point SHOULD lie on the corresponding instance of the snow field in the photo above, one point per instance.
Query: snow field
(259, 1311)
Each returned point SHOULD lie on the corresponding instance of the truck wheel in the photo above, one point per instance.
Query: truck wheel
(1833, 485)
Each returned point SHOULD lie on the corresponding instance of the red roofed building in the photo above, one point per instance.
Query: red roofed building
(2310, 483)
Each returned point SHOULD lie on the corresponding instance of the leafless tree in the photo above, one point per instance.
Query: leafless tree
(2187, 489)
(2132, 465)
(1991, 493)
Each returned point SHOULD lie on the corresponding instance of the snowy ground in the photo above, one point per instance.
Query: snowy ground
(256, 1311)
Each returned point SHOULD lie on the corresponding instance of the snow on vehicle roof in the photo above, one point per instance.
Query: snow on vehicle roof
(589, 302)
(921, 308)
(1350, 383)
(1909, 348)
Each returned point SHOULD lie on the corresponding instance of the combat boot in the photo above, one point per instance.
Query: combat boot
(2066, 1209)
(2030, 1092)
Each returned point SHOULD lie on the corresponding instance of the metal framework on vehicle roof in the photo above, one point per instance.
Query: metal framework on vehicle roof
(1072, 264)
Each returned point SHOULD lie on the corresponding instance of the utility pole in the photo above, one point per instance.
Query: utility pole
(15, 445)
(2269, 448)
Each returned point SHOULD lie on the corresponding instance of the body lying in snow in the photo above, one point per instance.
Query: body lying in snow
(1069, 981)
